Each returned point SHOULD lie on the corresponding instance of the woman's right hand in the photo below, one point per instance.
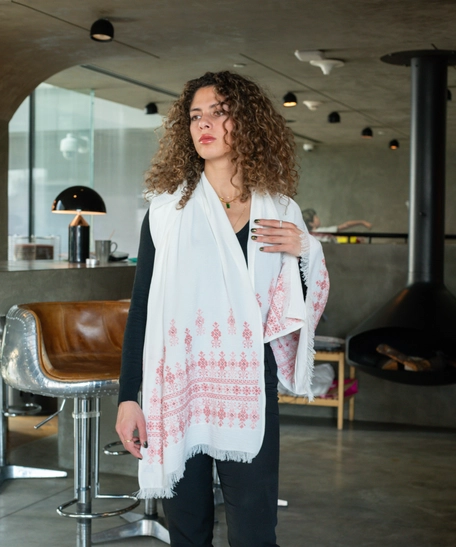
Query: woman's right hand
(130, 418)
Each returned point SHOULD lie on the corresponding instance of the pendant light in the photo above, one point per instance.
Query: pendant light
(394, 144)
(290, 100)
(102, 31)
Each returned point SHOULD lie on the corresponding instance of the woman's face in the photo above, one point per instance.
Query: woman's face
(316, 223)
(210, 125)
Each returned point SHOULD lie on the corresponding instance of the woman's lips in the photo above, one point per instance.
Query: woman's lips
(206, 139)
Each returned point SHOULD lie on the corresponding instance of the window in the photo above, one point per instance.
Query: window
(79, 139)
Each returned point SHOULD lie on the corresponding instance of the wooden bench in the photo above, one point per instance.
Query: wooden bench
(337, 356)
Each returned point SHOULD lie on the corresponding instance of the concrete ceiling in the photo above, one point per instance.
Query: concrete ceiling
(163, 43)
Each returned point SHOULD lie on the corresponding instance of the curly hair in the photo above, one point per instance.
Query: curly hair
(263, 147)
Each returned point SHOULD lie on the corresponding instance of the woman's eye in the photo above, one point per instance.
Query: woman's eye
(219, 113)
(194, 118)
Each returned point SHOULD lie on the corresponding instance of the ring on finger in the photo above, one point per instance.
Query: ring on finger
(128, 441)
(280, 225)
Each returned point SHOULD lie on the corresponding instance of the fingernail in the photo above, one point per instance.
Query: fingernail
(253, 229)
(254, 237)
(257, 221)
(145, 444)
(261, 248)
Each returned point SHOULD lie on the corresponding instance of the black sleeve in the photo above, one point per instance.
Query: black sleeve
(133, 344)
(303, 283)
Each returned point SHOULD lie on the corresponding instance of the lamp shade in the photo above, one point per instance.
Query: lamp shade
(102, 31)
(151, 108)
(367, 133)
(290, 100)
(394, 144)
(334, 117)
(79, 199)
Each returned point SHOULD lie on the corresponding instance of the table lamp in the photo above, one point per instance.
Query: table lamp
(79, 200)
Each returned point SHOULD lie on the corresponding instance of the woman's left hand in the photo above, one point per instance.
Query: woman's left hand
(281, 236)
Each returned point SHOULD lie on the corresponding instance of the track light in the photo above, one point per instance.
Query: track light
(334, 117)
(151, 108)
(366, 133)
(290, 100)
(102, 31)
(394, 144)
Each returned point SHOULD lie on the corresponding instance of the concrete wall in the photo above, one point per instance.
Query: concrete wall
(365, 182)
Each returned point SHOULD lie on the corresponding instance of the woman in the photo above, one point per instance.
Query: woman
(207, 335)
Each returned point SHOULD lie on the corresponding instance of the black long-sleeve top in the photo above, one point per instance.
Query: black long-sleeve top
(133, 345)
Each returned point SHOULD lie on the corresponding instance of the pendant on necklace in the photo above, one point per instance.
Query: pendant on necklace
(228, 206)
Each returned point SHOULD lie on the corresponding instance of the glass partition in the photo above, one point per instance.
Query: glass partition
(79, 139)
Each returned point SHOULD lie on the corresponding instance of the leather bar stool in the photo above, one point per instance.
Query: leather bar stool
(71, 350)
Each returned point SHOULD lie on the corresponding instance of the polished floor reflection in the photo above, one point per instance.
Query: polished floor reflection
(369, 485)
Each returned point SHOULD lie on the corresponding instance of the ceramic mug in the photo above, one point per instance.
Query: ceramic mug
(103, 248)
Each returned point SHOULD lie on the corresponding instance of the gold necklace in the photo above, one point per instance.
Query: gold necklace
(239, 217)
(227, 201)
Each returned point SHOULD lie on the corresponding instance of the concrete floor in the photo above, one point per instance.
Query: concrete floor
(370, 485)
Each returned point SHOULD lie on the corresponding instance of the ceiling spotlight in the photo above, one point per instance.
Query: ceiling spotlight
(394, 144)
(366, 133)
(102, 31)
(312, 105)
(334, 117)
(327, 65)
(290, 100)
(151, 108)
(449, 95)
(308, 147)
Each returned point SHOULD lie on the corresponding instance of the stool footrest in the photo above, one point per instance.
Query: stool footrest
(27, 409)
(61, 508)
(107, 449)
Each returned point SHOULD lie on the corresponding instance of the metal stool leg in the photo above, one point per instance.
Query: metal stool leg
(86, 471)
(148, 525)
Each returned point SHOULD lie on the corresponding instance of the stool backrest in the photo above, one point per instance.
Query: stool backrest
(80, 330)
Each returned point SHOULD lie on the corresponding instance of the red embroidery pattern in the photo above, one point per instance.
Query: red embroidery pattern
(247, 335)
(275, 322)
(231, 323)
(200, 323)
(211, 390)
(188, 341)
(173, 339)
(321, 294)
(258, 297)
(216, 334)
(284, 349)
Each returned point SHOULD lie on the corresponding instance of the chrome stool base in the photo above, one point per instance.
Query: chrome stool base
(147, 525)
(8, 472)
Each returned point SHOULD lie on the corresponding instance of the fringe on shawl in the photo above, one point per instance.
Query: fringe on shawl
(304, 266)
(174, 478)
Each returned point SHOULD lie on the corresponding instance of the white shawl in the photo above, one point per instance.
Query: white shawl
(208, 318)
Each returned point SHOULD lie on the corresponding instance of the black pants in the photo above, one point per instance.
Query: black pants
(250, 490)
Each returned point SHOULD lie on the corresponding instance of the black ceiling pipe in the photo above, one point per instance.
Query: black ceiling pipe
(420, 319)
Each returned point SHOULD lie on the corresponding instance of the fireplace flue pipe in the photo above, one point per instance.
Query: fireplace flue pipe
(429, 70)
(427, 168)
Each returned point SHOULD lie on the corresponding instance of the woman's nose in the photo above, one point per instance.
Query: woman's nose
(204, 122)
